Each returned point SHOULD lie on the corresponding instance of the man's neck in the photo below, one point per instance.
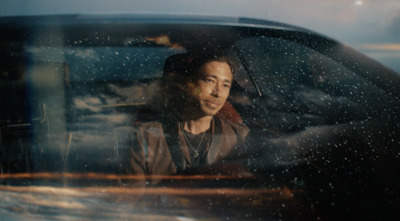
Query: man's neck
(197, 126)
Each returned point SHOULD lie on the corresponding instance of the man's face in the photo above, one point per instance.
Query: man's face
(211, 89)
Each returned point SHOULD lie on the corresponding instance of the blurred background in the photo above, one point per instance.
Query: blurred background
(370, 26)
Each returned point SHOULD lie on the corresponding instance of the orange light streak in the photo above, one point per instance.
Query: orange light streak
(101, 176)
(85, 191)
(164, 40)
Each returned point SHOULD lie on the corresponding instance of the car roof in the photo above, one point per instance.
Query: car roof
(147, 18)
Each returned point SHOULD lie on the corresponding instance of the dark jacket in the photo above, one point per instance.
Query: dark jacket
(160, 149)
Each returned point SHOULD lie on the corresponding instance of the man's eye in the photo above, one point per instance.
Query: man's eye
(227, 85)
(210, 80)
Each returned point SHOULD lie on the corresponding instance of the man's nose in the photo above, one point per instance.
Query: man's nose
(215, 91)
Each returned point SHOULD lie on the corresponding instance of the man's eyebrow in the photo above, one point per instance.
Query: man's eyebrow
(228, 81)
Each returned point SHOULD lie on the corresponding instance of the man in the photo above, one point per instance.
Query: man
(190, 135)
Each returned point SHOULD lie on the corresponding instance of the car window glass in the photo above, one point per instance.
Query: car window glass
(72, 103)
(303, 88)
(107, 63)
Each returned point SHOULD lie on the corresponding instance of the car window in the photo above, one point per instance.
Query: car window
(320, 138)
(303, 88)
(107, 63)
(65, 103)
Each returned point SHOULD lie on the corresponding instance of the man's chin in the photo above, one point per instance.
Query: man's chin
(211, 112)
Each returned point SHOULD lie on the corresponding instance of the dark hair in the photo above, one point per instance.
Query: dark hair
(186, 66)
(198, 61)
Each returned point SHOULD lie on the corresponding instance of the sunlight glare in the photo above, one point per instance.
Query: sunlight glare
(358, 3)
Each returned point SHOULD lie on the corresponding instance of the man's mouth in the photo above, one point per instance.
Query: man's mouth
(212, 105)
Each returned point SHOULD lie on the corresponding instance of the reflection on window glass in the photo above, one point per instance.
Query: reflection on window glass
(101, 89)
(107, 63)
(306, 87)
(319, 140)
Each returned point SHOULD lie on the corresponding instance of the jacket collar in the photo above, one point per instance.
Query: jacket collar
(212, 148)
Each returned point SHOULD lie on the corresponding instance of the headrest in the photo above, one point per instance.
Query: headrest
(177, 63)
